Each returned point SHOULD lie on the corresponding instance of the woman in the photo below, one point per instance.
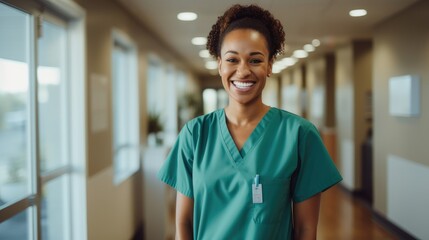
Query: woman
(248, 171)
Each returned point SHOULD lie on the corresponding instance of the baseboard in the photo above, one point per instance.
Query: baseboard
(378, 218)
(391, 227)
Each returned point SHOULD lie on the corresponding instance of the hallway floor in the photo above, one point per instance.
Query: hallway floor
(344, 217)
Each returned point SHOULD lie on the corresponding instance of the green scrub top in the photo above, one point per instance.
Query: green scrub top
(284, 149)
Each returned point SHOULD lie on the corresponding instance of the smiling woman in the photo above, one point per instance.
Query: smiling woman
(248, 171)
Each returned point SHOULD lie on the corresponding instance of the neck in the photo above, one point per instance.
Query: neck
(241, 115)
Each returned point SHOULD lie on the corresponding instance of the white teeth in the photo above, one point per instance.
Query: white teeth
(243, 84)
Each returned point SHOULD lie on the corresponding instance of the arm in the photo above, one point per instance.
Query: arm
(184, 217)
(305, 217)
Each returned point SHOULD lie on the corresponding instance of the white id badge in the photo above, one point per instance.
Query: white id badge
(257, 193)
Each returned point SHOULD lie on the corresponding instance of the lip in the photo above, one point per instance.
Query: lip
(243, 85)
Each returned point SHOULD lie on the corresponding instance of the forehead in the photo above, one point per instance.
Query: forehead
(244, 39)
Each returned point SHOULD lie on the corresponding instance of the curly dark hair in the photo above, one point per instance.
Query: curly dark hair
(247, 17)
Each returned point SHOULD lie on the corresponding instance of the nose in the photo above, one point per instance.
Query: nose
(243, 69)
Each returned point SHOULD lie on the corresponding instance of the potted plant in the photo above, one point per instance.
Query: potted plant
(155, 129)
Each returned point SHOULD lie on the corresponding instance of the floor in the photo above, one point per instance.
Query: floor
(344, 217)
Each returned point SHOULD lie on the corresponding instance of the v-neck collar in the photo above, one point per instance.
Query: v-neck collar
(236, 154)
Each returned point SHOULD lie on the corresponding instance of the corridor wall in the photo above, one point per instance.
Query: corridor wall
(401, 162)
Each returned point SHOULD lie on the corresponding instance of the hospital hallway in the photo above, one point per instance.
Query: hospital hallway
(343, 216)
(94, 95)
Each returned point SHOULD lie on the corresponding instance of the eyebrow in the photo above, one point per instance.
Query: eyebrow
(251, 54)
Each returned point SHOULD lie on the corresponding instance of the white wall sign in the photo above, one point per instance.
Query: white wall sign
(99, 103)
(404, 96)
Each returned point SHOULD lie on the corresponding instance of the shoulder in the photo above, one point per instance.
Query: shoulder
(293, 121)
(196, 124)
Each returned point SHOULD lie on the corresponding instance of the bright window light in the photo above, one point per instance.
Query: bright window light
(199, 41)
(14, 76)
(48, 75)
(357, 12)
(210, 100)
(187, 16)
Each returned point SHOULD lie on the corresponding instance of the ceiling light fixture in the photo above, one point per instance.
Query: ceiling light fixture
(315, 42)
(199, 41)
(357, 12)
(289, 61)
(204, 53)
(300, 54)
(211, 65)
(187, 16)
(309, 48)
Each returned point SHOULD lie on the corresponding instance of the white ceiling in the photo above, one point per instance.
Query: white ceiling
(303, 20)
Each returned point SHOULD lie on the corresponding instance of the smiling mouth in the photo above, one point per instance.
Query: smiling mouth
(243, 84)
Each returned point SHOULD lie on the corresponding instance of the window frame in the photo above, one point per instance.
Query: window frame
(74, 16)
(121, 40)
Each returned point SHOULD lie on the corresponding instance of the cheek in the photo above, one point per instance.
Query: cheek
(224, 71)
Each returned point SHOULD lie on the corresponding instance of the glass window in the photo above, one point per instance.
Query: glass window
(21, 140)
(53, 143)
(210, 100)
(17, 227)
(163, 112)
(125, 111)
(56, 209)
(14, 105)
(52, 95)
(171, 107)
(156, 86)
(214, 99)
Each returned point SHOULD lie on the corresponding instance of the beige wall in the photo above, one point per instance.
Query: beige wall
(115, 211)
(401, 47)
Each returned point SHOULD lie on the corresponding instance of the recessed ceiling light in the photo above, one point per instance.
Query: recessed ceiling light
(211, 65)
(315, 42)
(300, 54)
(289, 61)
(357, 12)
(199, 41)
(187, 16)
(276, 70)
(204, 53)
(309, 48)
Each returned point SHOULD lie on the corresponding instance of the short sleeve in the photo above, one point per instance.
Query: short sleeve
(177, 168)
(316, 171)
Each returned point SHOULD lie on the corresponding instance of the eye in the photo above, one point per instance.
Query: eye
(255, 61)
(232, 60)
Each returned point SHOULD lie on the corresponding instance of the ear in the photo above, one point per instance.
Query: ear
(270, 67)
